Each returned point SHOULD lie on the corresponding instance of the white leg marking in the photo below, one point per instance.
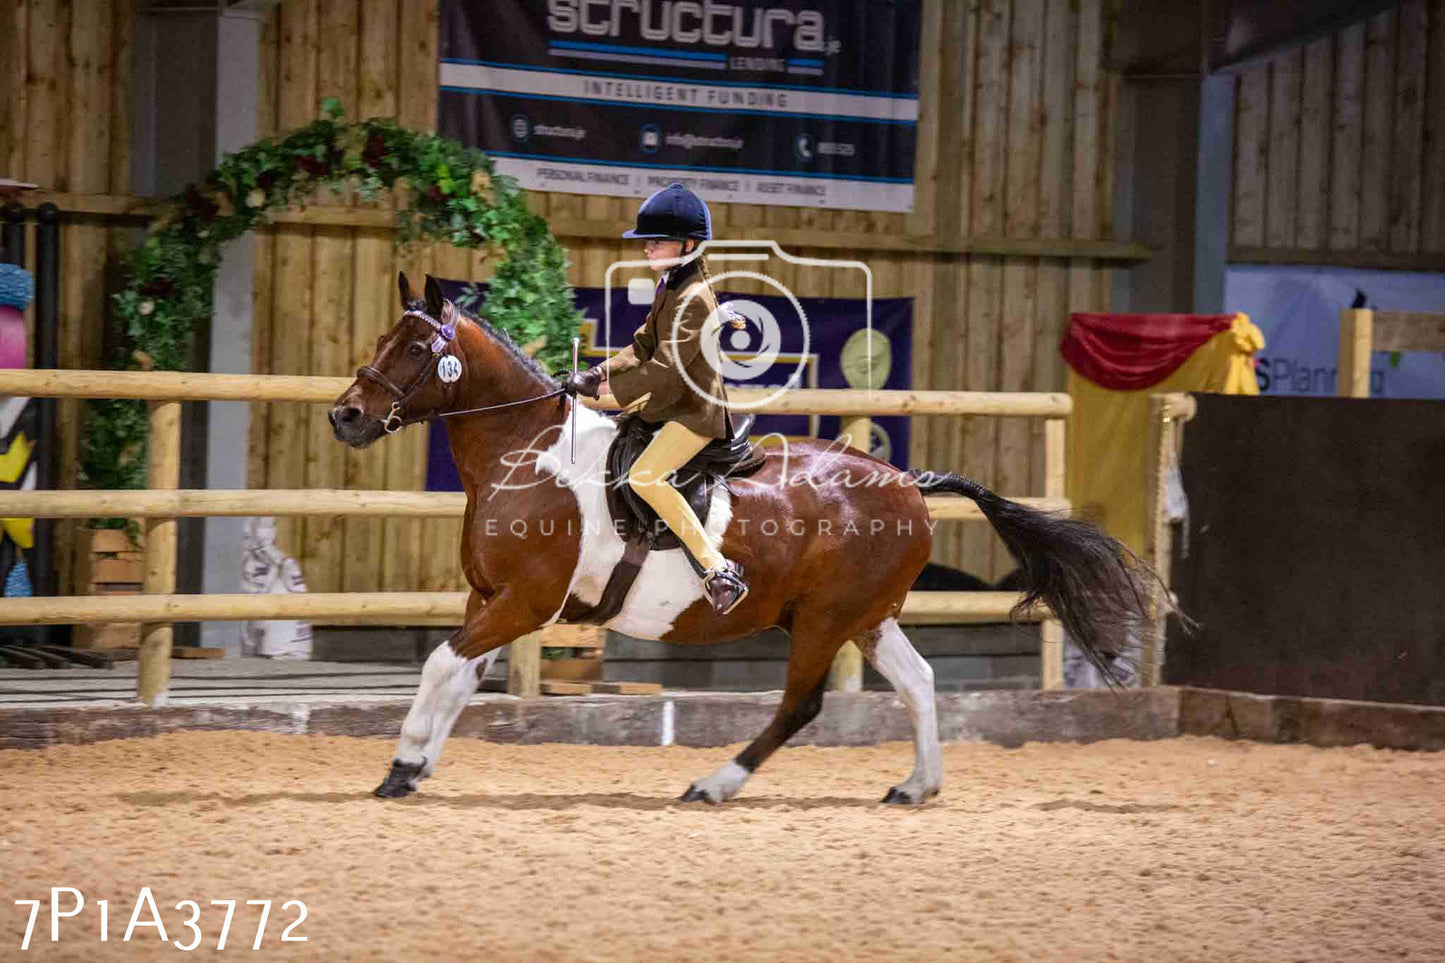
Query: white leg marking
(898, 661)
(723, 784)
(447, 683)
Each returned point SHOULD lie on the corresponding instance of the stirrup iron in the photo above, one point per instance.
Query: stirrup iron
(725, 587)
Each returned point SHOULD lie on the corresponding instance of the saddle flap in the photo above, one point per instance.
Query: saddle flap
(719, 459)
(632, 516)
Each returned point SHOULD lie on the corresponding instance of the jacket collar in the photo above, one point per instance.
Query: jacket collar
(674, 278)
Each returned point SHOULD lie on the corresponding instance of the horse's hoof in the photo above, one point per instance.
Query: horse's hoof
(401, 781)
(697, 794)
(390, 790)
(898, 796)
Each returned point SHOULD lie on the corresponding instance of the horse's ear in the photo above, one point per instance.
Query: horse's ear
(403, 288)
(434, 297)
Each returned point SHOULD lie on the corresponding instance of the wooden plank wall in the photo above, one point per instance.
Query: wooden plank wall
(1015, 141)
(65, 74)
(325, 294)
(1339, 146)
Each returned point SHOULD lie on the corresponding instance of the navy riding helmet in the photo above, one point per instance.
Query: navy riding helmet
(673, 212)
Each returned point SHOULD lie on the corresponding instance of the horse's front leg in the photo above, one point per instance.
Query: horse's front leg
(448, 680)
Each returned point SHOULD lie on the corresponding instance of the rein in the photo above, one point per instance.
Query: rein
(445, 333)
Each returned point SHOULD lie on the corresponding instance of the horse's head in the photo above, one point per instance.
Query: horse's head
(416, 365)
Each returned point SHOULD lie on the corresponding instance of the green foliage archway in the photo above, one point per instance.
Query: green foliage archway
(455, 198)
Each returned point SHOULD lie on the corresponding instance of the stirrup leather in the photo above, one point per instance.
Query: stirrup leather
(728, 578)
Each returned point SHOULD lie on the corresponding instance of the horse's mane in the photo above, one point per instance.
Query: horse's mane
(498, 335)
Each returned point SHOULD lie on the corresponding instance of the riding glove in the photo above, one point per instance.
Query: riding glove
(587, 382)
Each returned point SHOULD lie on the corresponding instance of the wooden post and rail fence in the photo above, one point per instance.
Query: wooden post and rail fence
(1364, 330)
(162, 503)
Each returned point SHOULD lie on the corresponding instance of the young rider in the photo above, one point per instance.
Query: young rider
(692, 409)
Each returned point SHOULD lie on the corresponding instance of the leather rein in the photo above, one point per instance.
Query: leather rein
(445, 333)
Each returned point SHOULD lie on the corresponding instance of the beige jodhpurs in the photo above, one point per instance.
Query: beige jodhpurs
(668, 451)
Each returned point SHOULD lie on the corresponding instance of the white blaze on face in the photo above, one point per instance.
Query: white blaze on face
(667, 584)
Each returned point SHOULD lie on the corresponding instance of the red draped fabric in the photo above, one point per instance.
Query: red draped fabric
(1129, 352)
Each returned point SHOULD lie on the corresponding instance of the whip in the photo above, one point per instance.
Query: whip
(575, 400)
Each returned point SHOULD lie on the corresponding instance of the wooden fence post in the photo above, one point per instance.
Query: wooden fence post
(1160, 439)
(1167, 415)
(1357, 335)
(163, 470)
(524, 665)
(847, 672)
(1051, 632)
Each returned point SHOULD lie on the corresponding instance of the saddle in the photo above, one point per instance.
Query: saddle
(640, 527)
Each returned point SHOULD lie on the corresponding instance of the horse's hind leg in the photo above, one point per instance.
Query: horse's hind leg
(898, 661)
(447, 683)
(808, 666)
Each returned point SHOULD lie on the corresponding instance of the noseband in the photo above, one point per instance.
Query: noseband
(445, 333)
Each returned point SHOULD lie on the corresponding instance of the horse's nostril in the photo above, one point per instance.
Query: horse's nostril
(344, 415)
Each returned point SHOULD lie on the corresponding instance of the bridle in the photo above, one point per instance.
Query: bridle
(445, 334)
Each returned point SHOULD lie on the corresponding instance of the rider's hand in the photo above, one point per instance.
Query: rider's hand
(587, 382)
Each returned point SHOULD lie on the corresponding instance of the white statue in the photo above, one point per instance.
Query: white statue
(266, 569)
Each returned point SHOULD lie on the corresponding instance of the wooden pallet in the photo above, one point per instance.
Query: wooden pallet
(585, 646)
(114, 565)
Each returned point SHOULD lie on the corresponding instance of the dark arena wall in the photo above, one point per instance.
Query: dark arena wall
(1315, 559)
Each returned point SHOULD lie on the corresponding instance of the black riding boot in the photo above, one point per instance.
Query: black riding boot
(725, 586)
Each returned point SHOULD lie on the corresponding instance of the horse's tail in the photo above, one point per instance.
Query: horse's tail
(1094, 584)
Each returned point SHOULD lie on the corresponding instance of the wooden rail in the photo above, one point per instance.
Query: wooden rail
(387, 608)
(191, 386)
(163, 502)
(322, 502)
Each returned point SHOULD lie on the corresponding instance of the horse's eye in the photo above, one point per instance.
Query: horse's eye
(415, 350)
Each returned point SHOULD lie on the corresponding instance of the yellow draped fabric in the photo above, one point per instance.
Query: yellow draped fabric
(1108, 457)
(14, 462)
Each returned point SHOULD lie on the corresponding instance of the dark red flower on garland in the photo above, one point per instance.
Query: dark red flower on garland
(265, 179)
(312, 166)
(200, 205)
(157, 287)
(435, 193)
(375, 151)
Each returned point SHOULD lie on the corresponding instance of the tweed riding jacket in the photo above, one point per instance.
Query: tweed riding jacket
(684, 312)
